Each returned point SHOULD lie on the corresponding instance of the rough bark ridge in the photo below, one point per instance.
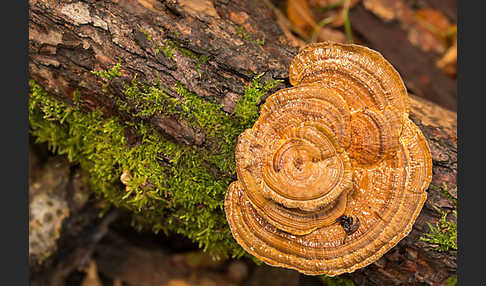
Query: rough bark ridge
(217, 48)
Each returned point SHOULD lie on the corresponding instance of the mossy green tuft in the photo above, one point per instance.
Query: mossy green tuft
(168, 186)
(242, 34)
(443, 235)
(337, 281)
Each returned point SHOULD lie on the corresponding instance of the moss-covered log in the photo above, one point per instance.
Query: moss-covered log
(150, 96)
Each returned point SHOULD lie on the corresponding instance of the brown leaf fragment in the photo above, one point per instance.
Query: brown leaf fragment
(385, 9)
(448, 62)
(300, 14)
(433, 20)
(240, 17)
(428, 30)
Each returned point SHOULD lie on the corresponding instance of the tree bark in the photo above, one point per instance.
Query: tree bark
(68, 40)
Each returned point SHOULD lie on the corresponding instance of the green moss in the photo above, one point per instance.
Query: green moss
(242, 34)
(246, 108)
(198, 59)
(443, 191)
(260, 42)
(145, 100)
(442, 235)
(171, 187)
(109, 75)
(171, 46)
(166, 48)
(451, 281)
(337, 281)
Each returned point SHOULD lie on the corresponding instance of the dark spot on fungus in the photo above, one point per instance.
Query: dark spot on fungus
(48, 217)
(298, 163)
(346, 223)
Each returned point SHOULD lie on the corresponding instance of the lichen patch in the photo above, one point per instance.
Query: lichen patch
(98, 22)
(78, 12)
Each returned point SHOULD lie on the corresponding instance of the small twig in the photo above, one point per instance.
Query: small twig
(347, 22)
(344, 15)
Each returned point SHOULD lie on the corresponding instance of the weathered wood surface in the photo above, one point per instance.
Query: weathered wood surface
(68, 40)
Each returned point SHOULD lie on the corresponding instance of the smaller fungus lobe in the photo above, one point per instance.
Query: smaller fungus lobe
(340, 172)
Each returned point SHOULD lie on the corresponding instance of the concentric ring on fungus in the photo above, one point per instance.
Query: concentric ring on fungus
(337, 145)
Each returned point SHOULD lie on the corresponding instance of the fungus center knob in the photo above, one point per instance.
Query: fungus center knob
(305, 166)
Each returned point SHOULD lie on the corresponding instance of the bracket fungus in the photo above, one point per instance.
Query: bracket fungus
(333, 173)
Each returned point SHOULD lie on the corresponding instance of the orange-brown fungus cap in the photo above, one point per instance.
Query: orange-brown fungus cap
(333, 173)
